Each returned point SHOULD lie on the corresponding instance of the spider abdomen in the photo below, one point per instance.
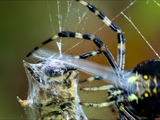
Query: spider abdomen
(146, 100)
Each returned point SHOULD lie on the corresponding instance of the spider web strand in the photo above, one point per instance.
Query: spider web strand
(141, 35)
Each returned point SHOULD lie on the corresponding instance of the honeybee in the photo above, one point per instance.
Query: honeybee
(52, 91)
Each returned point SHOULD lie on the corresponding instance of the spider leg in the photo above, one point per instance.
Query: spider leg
(101, 88)
(81, 56)
(121, 40)
(112, 96)
(91, 37)
(117, 67)
(86, 55)
(104, 104)
(106, 87)
(126, 114)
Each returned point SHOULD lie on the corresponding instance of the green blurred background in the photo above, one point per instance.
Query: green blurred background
(24, 24)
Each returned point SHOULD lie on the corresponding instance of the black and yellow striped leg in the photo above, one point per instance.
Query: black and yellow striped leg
(91, 37)
(86, 55)
(70, 34)
(103, 48)
(117, 67)
(101, 88)
(121, 40)
(81, 56)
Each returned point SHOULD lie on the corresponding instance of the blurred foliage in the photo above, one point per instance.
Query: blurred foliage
(24, 24)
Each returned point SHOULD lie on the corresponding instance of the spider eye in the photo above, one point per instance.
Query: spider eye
(145, 77)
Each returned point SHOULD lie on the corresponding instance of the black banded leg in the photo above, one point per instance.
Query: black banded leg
(108, 22)
(82, 56)
(104, 104)
(70, 35)
(86, 55)
(91, 37)
(98, 42)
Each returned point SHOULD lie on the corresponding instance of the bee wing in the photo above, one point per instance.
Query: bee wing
(92, 68)
(106, 72)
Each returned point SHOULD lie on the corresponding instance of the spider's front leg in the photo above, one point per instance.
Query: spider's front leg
(119, 66)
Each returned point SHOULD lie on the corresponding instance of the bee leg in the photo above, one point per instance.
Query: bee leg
(23, 103)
